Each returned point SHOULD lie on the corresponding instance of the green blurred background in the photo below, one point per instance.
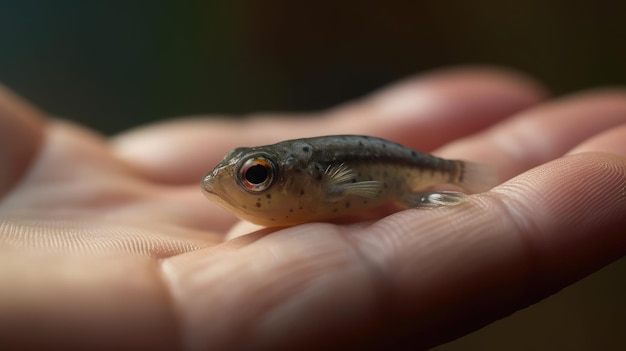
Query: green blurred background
(117, 64)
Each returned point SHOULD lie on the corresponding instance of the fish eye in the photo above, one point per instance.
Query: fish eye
(257, 174)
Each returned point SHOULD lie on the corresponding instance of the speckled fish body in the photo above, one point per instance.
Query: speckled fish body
(326, 178)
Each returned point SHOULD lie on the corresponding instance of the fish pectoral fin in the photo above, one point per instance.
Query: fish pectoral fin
(339, 174)
(341, 183)
(368, 189)
(433, 199)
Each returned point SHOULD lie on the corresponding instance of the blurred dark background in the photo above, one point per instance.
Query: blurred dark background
(117, 64)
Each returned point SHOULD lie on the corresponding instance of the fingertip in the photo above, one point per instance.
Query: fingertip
(570, 211)
(22, 129)
(431, 109)
(491, 78)
(611, 141)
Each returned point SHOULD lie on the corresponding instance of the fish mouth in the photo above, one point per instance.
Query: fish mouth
(213, 190)
(207, 184)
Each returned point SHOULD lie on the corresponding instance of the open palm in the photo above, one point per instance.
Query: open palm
(110, 242)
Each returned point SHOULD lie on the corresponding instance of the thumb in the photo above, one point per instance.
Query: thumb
(21, 136)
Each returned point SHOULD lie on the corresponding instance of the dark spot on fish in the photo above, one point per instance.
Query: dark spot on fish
(361, 143)
(335, 210)
(244, 206)
(299, 207)
(385, 185)
(269, 196)
(305, 149)
(297, 170)
(258, 204)
(353, 180)
(364, 201)
(384, 146)
(291, 210)
(301, 192)
(319, 177)
(413, 153)
(347, 204)
(272, 219)
(258, 199)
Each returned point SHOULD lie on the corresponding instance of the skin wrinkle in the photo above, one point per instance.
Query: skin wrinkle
(388, 301)
(252, 321)
(600, 172)
(86, 237)
(507, 209)
(534, 233)
(381, 291)
(175, 316)
(270, 313)
(243, 269)
(424, 308)
(318, 292)
(164, 279)
(581, 182)
(392, 243)
(172, 274)
(590, 173)
(418, 223)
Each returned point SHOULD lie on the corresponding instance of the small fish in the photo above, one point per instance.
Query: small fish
(336, 177)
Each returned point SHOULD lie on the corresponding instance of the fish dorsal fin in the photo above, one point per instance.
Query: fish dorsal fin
(341, 183)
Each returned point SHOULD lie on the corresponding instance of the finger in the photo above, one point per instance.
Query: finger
(456, 270)
(417, 276)
(611, 141)
(21, 135)
(542, 133)
(77, 303)
(423, 113)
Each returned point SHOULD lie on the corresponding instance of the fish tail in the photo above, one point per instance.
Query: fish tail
(476, 177)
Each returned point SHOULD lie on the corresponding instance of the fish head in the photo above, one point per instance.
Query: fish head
(262, 185)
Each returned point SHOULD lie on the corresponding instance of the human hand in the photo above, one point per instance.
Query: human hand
(110, 243)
